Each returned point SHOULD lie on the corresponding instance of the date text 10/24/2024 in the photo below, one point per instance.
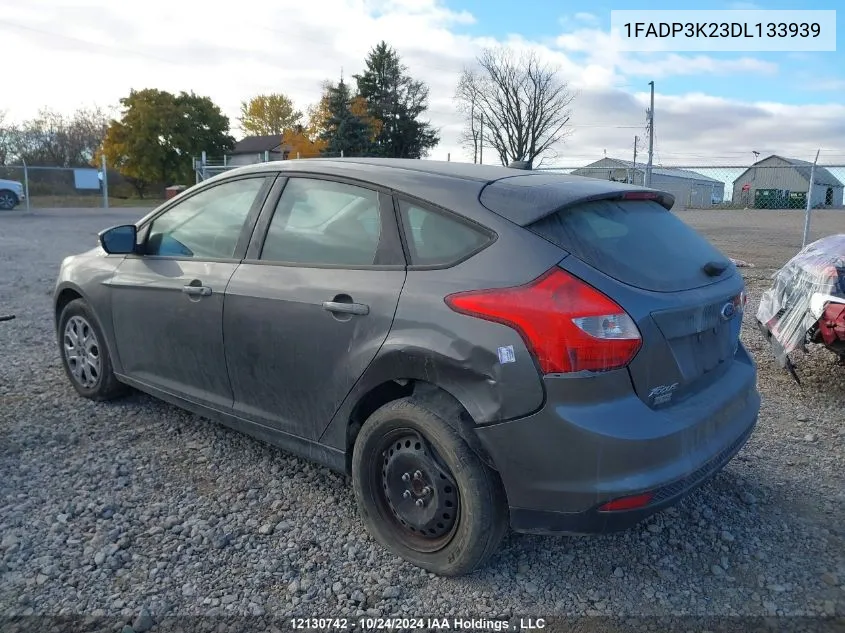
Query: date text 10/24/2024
(426, 624)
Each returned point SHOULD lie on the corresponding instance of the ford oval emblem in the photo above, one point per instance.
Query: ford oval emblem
(728, 311)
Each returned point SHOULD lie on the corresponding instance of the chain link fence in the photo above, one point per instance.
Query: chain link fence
(731, 187)
(42, 187)
(207, 167)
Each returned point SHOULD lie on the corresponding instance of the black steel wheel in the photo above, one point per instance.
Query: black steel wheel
(419, 490)
(423, 493)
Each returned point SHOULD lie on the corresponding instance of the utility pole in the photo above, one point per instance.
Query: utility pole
(634, 170)
(481, 141)
(650, 137)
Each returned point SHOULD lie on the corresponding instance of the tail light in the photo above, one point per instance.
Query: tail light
(640, 195)
(627, 503)
(567, 324)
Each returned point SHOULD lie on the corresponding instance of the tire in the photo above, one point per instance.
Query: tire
(85, 355)
(8, 200)
(472, 526)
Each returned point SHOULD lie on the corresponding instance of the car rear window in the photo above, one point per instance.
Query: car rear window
(637, 242)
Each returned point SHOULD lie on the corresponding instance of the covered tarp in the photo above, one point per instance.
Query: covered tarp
(785, 307)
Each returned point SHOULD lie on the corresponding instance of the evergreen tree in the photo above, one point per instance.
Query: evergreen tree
(396, 100)
(344, 132)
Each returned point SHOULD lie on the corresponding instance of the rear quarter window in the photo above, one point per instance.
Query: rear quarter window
(637, 242)
(435, 239)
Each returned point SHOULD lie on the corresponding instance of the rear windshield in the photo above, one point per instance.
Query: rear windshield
(637, 242)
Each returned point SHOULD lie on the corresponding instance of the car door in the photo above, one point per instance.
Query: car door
(167, 301)
(312, 303)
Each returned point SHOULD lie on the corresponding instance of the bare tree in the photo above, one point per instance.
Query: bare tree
(6, 135)
(521, 102)
(55, 139)
(470, 138)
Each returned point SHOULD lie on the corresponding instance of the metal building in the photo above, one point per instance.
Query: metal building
(782, 183)
(690, 188)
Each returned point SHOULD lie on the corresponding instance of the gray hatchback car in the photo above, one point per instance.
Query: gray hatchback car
(477, 347)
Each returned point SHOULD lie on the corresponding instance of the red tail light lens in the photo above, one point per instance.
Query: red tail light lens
(627, 503)
(567, 324)
(639, 195)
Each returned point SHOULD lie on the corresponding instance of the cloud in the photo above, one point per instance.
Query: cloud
(74, 54)
(674, 65)
(833, 85)
(699, 129)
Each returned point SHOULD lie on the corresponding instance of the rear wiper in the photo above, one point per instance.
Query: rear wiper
(714, 268)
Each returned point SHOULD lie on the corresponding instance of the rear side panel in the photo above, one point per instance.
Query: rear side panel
(484, 365)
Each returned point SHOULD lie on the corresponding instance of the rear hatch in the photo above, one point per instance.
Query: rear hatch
(685, 296)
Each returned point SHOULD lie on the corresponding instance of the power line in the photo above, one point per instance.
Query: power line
(80, 40)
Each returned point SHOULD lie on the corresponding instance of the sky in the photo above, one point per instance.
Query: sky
(710, 108)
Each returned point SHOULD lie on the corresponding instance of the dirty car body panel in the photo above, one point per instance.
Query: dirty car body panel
(293, 351)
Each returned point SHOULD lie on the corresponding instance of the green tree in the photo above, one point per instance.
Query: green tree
(159, 133)
(396, 101)
(343, 131)
(268, 114)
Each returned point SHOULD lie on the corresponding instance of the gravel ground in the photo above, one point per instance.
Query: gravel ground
(135, 507)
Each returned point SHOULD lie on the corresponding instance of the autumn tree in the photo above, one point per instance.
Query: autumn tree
(268, 114)
(343, 131)
(361, 109)
(159, 133)
(396, 101)
(515, 104)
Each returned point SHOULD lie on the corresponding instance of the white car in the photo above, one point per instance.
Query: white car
(11, 194)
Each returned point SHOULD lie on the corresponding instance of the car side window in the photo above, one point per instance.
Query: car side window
(206, 225)
(435, 239)
(320, 222)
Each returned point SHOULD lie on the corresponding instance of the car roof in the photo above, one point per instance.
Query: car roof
(521, 196)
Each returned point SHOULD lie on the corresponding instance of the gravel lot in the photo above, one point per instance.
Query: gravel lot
(111, 509)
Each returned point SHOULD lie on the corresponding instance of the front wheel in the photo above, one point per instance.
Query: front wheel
(84, 354)
(423, 493)
(8, 200)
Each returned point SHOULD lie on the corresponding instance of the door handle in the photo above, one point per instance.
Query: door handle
(346, 308)
(197, 291)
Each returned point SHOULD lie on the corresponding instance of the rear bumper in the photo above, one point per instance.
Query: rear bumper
(601, 442)
(594, 521)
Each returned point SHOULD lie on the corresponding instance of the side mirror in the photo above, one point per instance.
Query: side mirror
(119, 240)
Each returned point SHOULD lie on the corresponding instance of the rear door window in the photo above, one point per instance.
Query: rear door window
(321, 222)
(637, 242)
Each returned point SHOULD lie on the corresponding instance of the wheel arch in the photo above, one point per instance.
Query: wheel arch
(64, 296)
(435, 397)
(68, 291)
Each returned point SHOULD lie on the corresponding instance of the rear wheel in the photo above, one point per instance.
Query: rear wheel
(84, 354)
(8, 200)
(423, 493)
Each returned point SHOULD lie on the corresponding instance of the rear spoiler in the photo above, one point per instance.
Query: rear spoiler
(529, 196)
(666, 200)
